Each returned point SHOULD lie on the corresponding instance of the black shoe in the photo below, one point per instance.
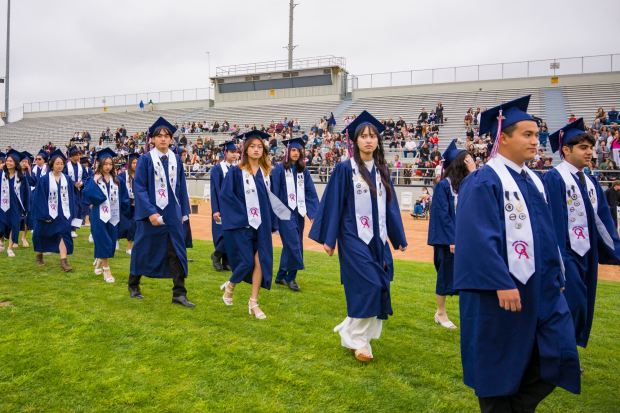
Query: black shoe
(216, 263)
(227, 266)
(281, 282)
(182, 300)
(134, 292)
(294, 286)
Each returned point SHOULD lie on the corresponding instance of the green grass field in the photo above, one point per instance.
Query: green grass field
(70, 342)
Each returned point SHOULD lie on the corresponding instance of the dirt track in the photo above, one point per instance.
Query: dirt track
(416, 231)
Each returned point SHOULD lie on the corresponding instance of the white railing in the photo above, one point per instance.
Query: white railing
(280, 65)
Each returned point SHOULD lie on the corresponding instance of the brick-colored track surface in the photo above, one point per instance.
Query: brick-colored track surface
(416, 231)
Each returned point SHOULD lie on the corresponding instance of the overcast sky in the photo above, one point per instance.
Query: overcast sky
(77, 48)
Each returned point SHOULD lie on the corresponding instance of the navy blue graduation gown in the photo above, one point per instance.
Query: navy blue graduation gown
(32, 178)
(441, 236)
(215, 186)
(242, 241)
(48, 232)
(292, 231)
(581, 272)
(149, 256)
(496, 345)
(104, 233)
(365, 270)
(11, 221)
(82, 207)
(127, 226)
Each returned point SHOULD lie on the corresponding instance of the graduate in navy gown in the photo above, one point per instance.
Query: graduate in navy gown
(517, 335)
(127, 226)
(162, 206)
(78, 174)
(108, 196)
(248, 219)
(584, 228)
(457, 164)
(293, 184)
(14, 199)
(2, 161)
(26, 167)
(39, 169)
(219, 259)
(54, 210)
(359, 210)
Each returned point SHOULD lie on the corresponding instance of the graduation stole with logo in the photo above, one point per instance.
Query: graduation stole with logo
(363, 206)
(52, 197)
(252, 205)
(161, 189)
(129, 185)
(519, 236)
(109, 210)
(578, 232)
(71, 172)
(40, 170)
(5, 195)
(296, 197)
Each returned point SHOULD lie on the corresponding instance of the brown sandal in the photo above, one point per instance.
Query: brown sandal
(362, 355)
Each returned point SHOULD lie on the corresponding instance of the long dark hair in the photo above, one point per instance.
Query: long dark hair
(18, 169)
(99, 169)
(456, 171)
(379, 157)
(300, 163)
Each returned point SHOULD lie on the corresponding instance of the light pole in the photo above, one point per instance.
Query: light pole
(6, 75)
(209, 69)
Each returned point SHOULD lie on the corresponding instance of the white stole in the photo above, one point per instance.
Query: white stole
(109, 210)
(71, 172)
(296, 196)
(578, 233)
(252, 205)
(5, 193)
(455, 195)
(38, 168)
(224, 167)
(129, 185)
(52, 197)
(161, 189)
(363, 205)
(519, 235)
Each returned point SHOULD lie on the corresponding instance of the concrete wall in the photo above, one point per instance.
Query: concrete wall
(121, 109)
(519, 83)
(196, 188)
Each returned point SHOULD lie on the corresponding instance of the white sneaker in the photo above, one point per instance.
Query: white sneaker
(10, 253)
(90, 238)
(128, 251)
(73, 234)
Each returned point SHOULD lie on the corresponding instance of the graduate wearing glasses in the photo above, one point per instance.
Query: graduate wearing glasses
(359, 211)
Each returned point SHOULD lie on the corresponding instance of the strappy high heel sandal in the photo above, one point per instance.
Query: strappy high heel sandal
(363, 355)
(25, 243)
(98, 270)
(107, 275)
(228, 293)
(252, 304)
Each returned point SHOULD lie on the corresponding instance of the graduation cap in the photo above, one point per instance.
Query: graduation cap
(295, 143)
(85, 159)
(565, 135)
(254, 134)
(17, 156)
(73, 150)
(161, 123)
(229, 146)
(496, 119)
(451, 153)
(132, 156)
(43, 154)
(57, 154)
(2, 155)
(363, 119)
(105, 153)
(28, 155)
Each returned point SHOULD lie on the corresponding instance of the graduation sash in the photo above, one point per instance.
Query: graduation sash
(519, 236)
(252, 205)
(454, 194)
(5, 194)
(109, 210)
(71, 172)
(578, 233)
(224, 167)
(296, 197)
(161, 189)
(129, 185)
(363, 206)
(39, 170)
(52, 198)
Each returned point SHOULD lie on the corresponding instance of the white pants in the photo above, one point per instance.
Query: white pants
(356, 333)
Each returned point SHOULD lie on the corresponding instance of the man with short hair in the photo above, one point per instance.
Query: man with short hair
(517, 336)
(612, 194)
(584, 227)
(79, 175)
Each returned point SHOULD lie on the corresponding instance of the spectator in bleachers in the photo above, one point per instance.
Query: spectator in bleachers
(572, 118)
(612, 116)
(410, 147)
(439, 113)
(601, 115)
(423, 116)
(469, 118)
(615, 147)
(612, 194)
(477, 116)
(543, 136)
